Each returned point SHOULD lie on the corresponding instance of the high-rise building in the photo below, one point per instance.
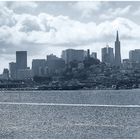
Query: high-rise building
(54, 64)
(12, 70)
(134, 55)
(117, 51)
(108, 55)
(21, 59)
(71, 55)
(38, 67)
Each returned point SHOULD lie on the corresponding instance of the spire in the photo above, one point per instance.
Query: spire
(117, 37)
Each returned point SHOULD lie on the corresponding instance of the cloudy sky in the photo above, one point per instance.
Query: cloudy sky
(47, 27)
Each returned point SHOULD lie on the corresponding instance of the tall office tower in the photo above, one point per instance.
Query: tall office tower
(38, 67)
(21, 59)
(108, 55)
(71, 55)
(54, 63)
(134, 55)
(12, 70)
(117, 51)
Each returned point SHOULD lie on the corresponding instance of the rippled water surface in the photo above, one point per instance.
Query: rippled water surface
(47, 121)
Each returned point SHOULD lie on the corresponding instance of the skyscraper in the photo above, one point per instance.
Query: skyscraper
(38, 67)
(117, 51)
(54, 63)
(108, 55)
(134, 55)
(21, 59)
(71, 55)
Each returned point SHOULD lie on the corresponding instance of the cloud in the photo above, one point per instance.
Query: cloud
(25, 6)
(6, 17)
(28, 23)
(3, 4)
(137, 12)
(113, 13)
(87, 8)
(61, 30)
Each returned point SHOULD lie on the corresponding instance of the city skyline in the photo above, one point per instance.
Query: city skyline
(73, 60)
(61, 25)
(109, 56)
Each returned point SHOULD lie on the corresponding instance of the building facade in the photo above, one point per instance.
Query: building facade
(54, 64)
(71, 55)
(24, 74)
(134, 55)
(5, 75)
(21, 59)
(108, 55)
(38, 67)
(12, 70)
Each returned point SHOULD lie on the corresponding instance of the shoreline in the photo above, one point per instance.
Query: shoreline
(19, 89)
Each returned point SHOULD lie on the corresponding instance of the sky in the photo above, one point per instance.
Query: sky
(43, 28)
